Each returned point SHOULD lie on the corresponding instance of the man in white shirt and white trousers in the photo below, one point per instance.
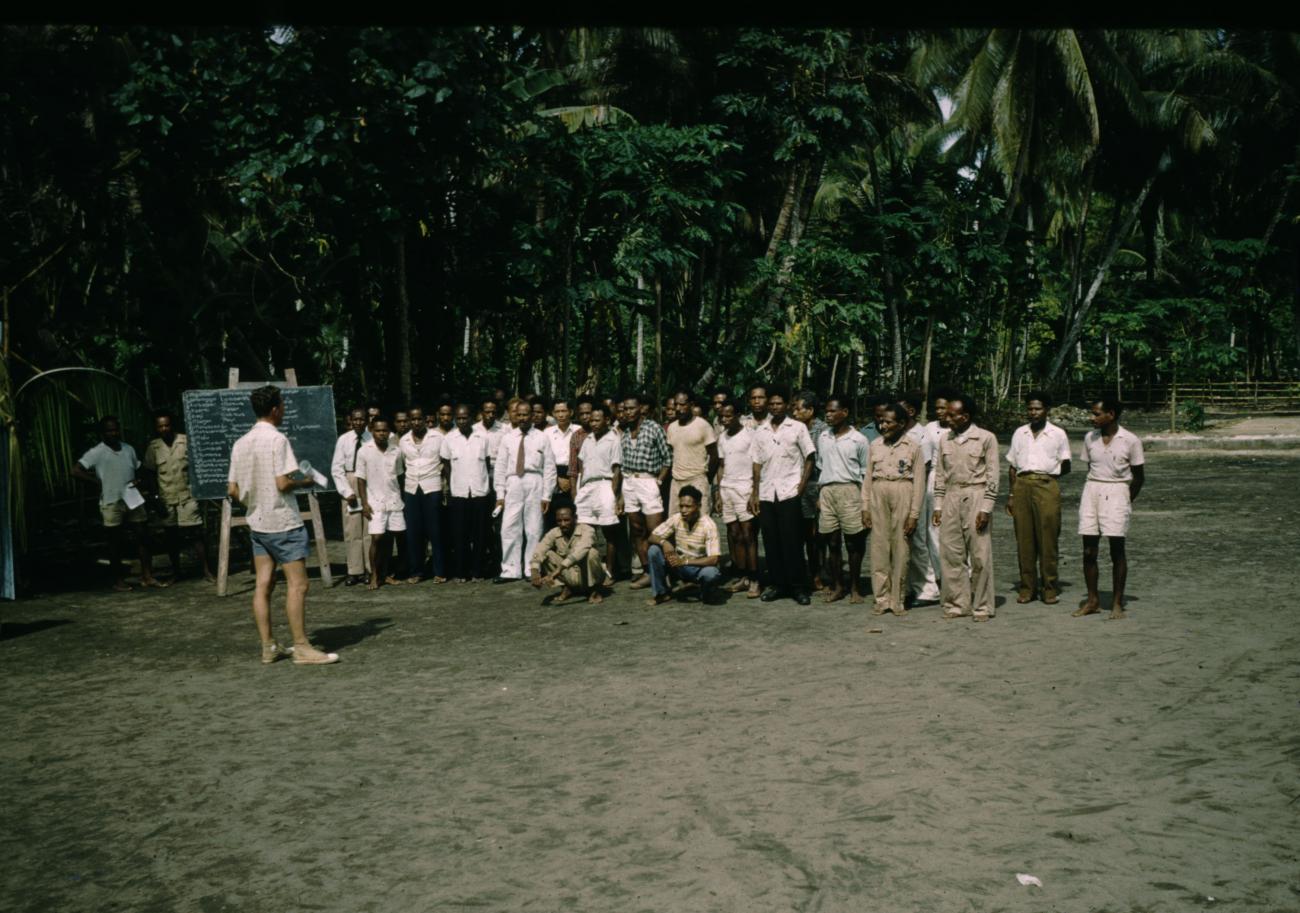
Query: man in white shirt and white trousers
(524, 477)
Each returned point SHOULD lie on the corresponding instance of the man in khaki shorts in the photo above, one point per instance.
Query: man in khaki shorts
(842, 463)
(893, 488)
(1116, 473)
(731, 498)
(598, 476)
(965, 491)
(167, 458)
(112, 464)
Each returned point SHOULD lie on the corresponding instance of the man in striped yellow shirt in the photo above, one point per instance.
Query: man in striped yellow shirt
(686, 547)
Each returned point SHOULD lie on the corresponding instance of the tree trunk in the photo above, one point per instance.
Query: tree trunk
(403, 324)
(659, 341)
(1075, 330)
(787, 209)
(925, 367)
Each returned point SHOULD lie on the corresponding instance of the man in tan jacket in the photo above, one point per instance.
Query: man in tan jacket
(567, 557)
(965, 490)
(892, 491)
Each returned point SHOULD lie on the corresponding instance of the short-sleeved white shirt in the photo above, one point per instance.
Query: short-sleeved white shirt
(114, 468)
(599, 456)
(780, 451)
(842, 458)
(423, 461)
(1112, 462)
(255, 461)
(736, 453)
(380, 469)
(468, 458)
(559, 441)
(1044, 453)
(494, 436)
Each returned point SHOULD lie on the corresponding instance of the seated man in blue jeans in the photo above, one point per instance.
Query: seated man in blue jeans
(684, 547)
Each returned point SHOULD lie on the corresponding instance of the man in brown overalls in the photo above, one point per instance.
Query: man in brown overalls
(965, 490)
(892, 490)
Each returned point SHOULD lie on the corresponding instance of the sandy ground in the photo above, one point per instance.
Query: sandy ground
(476, 751)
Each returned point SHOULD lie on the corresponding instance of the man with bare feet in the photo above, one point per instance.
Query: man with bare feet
(783, 460)
(646, 460)
(685, 547)
(965, 491)
(261, 468)
(892, 491)
(1039, 455)
(112, 464)
(567, 558)
(736, 474)
(1116, 473)
(842, 461)
(379, 463)
(598, 474)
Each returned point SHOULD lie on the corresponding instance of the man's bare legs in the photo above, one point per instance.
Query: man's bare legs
(1119, 576)
(381, 548)
(264, 568)
(815, 550)
(857, 549)
(857, 545)
(639, 525)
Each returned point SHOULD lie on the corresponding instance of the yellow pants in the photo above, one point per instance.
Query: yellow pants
(959, 541)
(580, 578)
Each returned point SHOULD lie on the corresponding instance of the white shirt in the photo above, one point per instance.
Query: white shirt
(599, 456)
(493, 435)
(380, 469)
(933, 434)
(537, 459)
(255, 461)
(115, 469)
(468, 458)
(1112, 462)
(747, 421)
(1043, 453)
(842, 458)
(780, 451)
(423, 461)
(736, 453)
(345, 460)
(559, 441)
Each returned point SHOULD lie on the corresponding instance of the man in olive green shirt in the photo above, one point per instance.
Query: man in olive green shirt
(567, 557)
(167, 460)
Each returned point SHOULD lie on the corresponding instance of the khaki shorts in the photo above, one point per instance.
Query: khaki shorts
(735, 505)
(1105, 509)
(386, 521)
(184, 514)
(841, 509)
(114, 514)
(641, 496)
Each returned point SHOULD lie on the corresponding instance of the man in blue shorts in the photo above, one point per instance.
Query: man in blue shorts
(261, 466)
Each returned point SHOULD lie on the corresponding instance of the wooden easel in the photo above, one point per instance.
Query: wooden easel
(228, 521)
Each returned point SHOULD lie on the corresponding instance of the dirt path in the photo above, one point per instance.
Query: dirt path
(476, 751)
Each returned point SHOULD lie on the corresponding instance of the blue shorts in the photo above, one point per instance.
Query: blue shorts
(283, 548)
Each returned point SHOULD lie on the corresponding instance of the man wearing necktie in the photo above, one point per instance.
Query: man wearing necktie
(524, 479)
(343, 469)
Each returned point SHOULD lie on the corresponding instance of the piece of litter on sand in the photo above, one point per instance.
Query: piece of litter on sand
(875, 630)
(1028, 880)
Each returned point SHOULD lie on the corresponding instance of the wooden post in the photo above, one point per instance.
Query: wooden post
(229, 521)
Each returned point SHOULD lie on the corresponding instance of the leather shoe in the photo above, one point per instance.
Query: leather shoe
(351, 580)
(771, 594)
(505, 580)
(802, 598)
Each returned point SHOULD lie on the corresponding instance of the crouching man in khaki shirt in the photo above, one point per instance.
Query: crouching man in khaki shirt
(567, 557)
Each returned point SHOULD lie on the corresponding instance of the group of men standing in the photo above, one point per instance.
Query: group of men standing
(563, 493)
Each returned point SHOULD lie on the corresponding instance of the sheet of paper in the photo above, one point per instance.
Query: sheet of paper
(131, 495)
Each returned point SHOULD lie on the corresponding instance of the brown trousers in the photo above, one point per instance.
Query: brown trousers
(1036, 510)
(890, 501)
(354, 536)
(580, 578)
(959, 540)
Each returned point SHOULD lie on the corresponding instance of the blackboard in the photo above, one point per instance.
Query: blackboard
(215, 419)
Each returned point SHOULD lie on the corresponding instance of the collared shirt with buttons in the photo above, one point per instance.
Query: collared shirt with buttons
(171, 463)
(900, 461)
(599, 456)
(1112, 462)
(380, 469)
(780, 452)
(968, 459)
(1043, 452)
(569, 549)
(255, 461)
(115, 469)
(467, 454)
(537, 459)
(423, 461)
(736, 453)
(559, 441)
(345, 460)
(647, 451)
(842, 457)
